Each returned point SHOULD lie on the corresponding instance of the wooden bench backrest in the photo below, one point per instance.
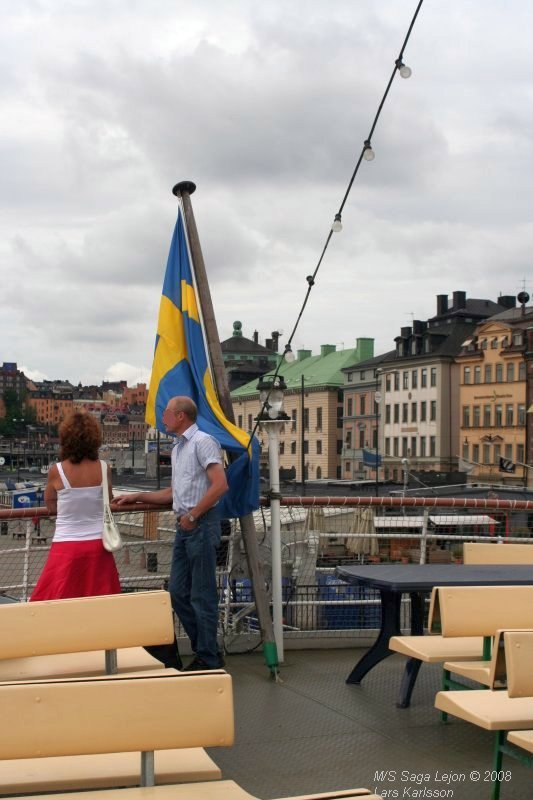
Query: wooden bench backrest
(490, 553)
(480, 610)
(518, 659)
(77, 717)
(85, 623)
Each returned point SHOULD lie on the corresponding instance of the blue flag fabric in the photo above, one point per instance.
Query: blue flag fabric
(371, 459)
(181, 367)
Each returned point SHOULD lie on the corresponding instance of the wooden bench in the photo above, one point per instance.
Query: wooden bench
(140, 716)
(83, 636)
(501, 711)
(497, 553)
(93, 636)
(478, 610)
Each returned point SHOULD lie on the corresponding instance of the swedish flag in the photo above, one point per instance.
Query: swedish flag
(181, 367)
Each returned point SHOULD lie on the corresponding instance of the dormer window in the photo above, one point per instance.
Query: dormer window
(517, 339)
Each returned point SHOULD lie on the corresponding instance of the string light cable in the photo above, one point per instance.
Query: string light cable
(366, 154)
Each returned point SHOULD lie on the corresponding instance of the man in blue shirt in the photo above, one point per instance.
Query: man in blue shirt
(198, 482)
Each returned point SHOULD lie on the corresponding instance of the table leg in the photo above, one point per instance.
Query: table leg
(413, 664)
(390, 626)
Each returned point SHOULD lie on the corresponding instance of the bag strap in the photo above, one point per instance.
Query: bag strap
(105, 489)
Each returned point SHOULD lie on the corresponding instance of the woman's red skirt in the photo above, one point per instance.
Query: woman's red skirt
(77, 569)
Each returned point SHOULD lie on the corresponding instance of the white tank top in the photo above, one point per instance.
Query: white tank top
(80, 512)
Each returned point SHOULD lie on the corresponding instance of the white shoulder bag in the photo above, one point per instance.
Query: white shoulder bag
(111, 534)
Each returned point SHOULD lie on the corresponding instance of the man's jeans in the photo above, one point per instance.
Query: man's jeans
(193, 585)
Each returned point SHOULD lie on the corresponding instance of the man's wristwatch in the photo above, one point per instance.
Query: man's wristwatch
(191, 517)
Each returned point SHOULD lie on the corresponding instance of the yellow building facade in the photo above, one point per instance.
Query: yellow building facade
(492, 398)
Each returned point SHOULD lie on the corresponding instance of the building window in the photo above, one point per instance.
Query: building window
(494, 343)
(396, 412)
(466, 375)
(486, 455)
(250, 422)
(499, 373)
(466, 416)
(433, 376)
(423, 377)
(488, 373)
(509, 414)
(339, 447)
(239, 421)
(387, 414)
(405, 377)
(475, 453)
(319, 419)
(362, 375)
(433, 411)
(293, 448)
(433, 446)
(404, 446)
(319, 445)
(350, 377)
(510, 372)
(395, 445)
(487, 416)
(477, 374)
(483, 344)
(423, 413)
(413, 412)
(521, 414)
(517, 339)
(476, 417)
(498, 416)
(522, 371)
(497, 453)
(509, 451)
(281, 448)
(387, 382)
(422, 446)
(362, 404)
(294, 418)
(466, 450)
(520, 453)
(405, 412)
(348, 438)
(396, 381)
(319, 471)
(413, 446)
(387, 446)
(306, 419)
(349, 407)
(306, 446)
(362, 437)
(414, 379)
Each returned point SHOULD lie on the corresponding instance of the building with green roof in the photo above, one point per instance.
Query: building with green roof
(311, 442)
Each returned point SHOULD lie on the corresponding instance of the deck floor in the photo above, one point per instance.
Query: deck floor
(312, 732)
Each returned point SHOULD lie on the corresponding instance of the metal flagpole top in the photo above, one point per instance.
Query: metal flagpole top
(184, 186)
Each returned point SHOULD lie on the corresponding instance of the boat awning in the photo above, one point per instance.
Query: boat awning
(437, 520)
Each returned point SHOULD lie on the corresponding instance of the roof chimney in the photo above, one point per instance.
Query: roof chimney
(442, 304)
(303, 354)
(256, 337)
(326, 349)
(507, 301)
(275, 339)
(459, 300)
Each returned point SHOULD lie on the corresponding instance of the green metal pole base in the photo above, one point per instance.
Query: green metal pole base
(270, 652)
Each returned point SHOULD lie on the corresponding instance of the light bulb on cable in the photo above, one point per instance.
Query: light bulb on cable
(368, 153)
(289, 356)
(403, 69)
(337, 224)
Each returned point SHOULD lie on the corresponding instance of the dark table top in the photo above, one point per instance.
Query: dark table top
(423, 577)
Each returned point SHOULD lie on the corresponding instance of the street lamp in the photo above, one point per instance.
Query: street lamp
(271, 417)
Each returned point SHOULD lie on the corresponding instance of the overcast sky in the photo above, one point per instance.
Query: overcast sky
(106, 104)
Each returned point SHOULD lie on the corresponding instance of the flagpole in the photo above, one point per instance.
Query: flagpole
(183, 190)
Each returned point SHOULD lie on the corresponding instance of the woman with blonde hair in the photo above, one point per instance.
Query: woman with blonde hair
(77, 565)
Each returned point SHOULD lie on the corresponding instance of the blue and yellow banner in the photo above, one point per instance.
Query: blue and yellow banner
(181, 367)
